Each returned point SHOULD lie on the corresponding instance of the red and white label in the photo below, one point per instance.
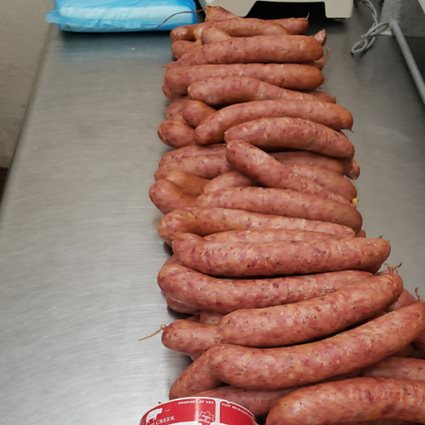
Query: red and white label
(198, 411)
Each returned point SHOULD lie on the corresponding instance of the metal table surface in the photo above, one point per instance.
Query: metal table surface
(79, 252)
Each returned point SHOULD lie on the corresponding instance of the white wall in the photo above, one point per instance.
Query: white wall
(22, 34)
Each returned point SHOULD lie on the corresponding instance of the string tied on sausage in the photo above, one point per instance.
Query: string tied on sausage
(158, 331)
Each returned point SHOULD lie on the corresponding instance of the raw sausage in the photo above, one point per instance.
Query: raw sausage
(176, 133)
(346, 166)
(185, 152)
(229, 179)
(292, 25)
(263, 168)
(257, 402)
(167, 196)
(210, 317)
(234, 26)
(351, 400)
(313, 362)
(190, 337)
(204, 292)
(286, 132)
(329, 180)
(267, 235)
(180, 47)
(406, 299)
(283, 202)
(213, 128)
(194, 112)
(321, 36)
(194, 379)
(210, 161)
(256, 49)
(228, 90)
(308, 320)
(204, 221)
(399, 368)
(291, 76)
(244, 27)
(239, 259)
(287, 324)
(190, 183)
(174, 110)
(206, 165)
(211, 34)
(178, 307)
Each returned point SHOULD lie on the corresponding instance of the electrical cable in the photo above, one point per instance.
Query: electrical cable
(368, 39)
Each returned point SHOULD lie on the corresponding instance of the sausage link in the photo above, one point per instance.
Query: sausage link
(320, 63)
(210, 317)
(292, 25)
(234, 26)
(239, 259)
(178, 306)
(255, 49)
(179, 154)
(322, 96)
(347, 166)
(184, 32)
(167, 196)
(204, 221)
(351, 400)
(190, 337)
(308, 320)
(206, 166)
(228, 90)
(180, 47)
(177, 79)
(194, 112)
(210, 161)
(284, 202)
(194, 378)
(204, 292)
(267, 235)
(213, 128)
(398, 368)
(174, 111)
(226, 180)
(287, 324)
(176, 133)
(283, 133)
(313, 362)
(190, 183)
(258, 403)
(321, 36)
(262, 167)
(329, 180)
(211, 34)
(406, 299)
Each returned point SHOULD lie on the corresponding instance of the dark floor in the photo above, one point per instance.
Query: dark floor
(3, 176)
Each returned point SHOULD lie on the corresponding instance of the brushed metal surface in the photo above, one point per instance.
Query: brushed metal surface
(79, 251)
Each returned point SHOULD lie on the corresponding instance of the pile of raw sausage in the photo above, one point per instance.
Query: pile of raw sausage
(291, 313)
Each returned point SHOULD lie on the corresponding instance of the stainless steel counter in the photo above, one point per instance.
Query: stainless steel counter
(79, 251)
